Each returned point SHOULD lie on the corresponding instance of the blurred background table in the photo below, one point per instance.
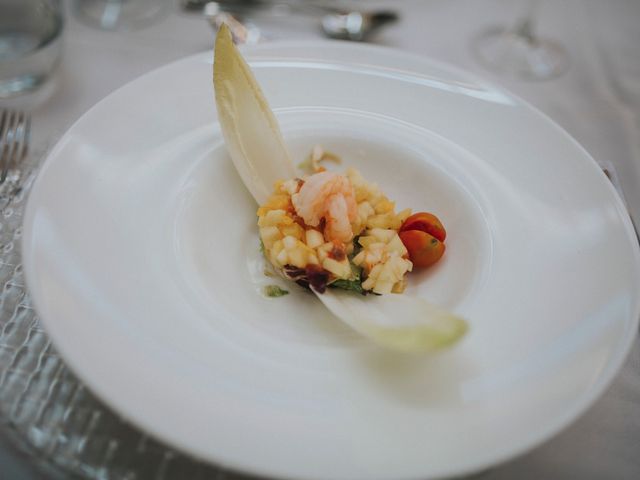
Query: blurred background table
(597, 100)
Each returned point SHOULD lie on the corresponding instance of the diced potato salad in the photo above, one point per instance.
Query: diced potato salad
(336, 230)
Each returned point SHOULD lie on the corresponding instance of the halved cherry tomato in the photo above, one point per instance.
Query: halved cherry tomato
(424, 249)
(425, 222)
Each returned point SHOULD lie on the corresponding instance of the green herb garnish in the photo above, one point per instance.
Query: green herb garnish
(274, 291)
(354, 284)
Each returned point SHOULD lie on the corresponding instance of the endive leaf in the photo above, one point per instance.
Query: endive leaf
(253, 138)
(401, 322)
(250, 129)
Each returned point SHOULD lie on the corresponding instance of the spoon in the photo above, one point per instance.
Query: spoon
(355, 26)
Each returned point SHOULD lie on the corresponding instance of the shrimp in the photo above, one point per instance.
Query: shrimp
(330, 196)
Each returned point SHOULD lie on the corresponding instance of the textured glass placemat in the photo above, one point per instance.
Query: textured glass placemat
(44, 409)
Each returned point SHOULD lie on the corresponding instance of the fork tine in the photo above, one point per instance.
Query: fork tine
(4, 145)
(7, 147)
(18, 132)
(26, 138)
(3, 120)
(15, 128)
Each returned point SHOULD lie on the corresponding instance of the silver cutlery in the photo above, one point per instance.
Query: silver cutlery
(355, 26)
(15, 130)
(334, 23)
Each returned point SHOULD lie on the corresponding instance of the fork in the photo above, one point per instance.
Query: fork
(15, 129)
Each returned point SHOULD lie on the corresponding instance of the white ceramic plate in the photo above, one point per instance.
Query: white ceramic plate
(141, 247)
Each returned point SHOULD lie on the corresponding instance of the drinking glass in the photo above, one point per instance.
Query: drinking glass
(119, 14)
(518, 50)
(30, 44)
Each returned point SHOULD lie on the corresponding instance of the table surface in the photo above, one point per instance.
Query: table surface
(597, 101)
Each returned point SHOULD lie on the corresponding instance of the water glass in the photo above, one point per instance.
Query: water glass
(30, 44)
(119, 14)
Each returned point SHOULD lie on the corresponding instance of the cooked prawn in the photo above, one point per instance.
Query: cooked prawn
(330, 196)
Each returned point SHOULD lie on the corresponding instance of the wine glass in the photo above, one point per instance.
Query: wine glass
(518, 51)
(119, 14)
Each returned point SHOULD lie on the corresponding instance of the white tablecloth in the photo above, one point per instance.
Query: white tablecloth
(597, 101)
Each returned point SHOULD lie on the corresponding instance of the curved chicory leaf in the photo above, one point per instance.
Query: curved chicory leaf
(250, 129)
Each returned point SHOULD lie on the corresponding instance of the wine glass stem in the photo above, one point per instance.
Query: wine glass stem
(525, 27)
(518, 49)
